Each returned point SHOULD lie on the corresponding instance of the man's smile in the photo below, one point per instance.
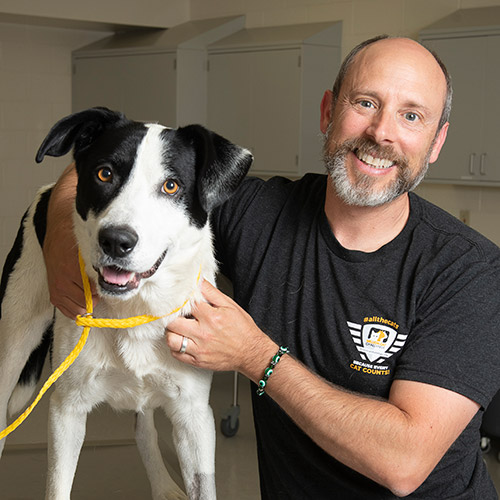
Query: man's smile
(378, 163)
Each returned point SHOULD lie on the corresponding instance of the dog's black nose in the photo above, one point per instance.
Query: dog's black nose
(117, 241)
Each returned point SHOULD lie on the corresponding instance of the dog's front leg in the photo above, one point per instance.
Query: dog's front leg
(162, 485)
(66, 435)
(194, 439)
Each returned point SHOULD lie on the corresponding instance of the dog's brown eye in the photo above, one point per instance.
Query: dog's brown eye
(170, 187)
(105, 174)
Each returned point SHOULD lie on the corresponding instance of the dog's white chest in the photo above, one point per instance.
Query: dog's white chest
(129, 369)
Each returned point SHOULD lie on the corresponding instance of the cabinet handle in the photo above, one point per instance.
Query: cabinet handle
(472, 157)
(482, 164)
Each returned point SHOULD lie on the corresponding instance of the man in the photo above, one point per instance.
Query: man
(387, 304)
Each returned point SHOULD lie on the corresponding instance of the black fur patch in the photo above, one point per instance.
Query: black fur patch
(116, 149)
(11, 260)
(180, 157)
(210, 166)
(32, 370)
(40, 216)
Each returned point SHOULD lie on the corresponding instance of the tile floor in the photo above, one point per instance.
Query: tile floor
(114, 470)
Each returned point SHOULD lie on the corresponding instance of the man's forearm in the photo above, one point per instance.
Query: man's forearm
(62, 199)
(60, 249)
(375, 437)
(349, 427)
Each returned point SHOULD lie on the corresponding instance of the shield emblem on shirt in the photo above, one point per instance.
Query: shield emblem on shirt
(376, 342)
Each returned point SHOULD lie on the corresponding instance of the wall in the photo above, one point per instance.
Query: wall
(362, 19)
(154, 13)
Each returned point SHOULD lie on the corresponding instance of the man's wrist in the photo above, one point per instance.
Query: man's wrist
(257, 356)
(270, 369)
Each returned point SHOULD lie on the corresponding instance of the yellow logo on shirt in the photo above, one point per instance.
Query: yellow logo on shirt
(377, 339)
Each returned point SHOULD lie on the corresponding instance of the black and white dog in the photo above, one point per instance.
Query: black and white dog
(143, 199)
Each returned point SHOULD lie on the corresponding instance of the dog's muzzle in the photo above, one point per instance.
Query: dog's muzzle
(116, 280)
(117, 242)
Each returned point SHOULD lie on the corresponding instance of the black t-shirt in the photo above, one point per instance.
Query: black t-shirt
(424, 307)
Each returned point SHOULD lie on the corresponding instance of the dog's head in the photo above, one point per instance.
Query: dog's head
(144, 191)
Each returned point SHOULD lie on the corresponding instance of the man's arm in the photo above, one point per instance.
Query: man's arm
(60, 250)
(397, 442)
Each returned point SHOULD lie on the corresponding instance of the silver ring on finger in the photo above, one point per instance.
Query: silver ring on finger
(184, 344)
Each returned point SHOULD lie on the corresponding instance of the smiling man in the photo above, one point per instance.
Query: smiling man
(392, 135)
(387, 306)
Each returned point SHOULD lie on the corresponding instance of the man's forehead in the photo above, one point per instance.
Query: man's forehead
(401, 61)
(399, 51)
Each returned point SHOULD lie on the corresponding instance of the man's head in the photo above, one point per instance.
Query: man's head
(385, 120)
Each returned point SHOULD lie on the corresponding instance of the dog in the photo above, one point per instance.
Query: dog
(141, 220)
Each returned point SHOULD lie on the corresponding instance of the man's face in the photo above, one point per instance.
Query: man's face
(381, 133)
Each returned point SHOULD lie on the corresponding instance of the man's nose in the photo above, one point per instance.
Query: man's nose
(383, 127)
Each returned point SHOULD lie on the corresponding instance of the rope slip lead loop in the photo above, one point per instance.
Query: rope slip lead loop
(87, 321)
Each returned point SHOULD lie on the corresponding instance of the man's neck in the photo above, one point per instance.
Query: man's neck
(365, 228)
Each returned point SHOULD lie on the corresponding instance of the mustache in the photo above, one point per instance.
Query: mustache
(365, 145)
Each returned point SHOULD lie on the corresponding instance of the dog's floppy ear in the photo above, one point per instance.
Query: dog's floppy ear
(78, 129)
(220, 165)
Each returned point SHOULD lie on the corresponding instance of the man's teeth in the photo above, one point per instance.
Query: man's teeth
(374, 162)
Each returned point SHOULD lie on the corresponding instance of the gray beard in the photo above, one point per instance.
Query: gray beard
(361, 192)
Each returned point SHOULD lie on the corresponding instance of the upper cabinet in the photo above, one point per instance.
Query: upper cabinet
(264, 91)
(261, 88)
(468, 42)
(151, 75)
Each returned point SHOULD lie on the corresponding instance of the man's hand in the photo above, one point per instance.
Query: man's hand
(221, 336)
(60, 250)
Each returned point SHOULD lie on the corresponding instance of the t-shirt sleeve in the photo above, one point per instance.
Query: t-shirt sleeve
(225, 221)
(455, 341)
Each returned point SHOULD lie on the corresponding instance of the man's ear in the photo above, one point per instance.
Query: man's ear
(326, 110)
(438, 143)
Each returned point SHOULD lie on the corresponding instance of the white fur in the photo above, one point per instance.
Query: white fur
(133, 368)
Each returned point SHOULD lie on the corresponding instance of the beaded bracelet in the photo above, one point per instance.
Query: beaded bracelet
(269, 370)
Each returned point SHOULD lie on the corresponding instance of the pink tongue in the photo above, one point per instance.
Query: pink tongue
(116, 277)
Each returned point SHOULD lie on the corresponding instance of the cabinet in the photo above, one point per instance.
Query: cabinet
(264, 91)
(468, 42)
(150, 75)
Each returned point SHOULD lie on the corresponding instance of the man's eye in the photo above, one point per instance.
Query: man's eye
(366, 104)
(411, 117)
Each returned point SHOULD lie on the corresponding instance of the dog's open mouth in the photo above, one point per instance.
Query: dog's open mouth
(116, 280)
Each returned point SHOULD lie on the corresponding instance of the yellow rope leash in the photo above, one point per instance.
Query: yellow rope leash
(87, 321)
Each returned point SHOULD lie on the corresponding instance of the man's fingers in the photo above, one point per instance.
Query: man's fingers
(180, 343)
(70, 312)
(180, 346)
(68, 307)
(213, 295)
(71, 301)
